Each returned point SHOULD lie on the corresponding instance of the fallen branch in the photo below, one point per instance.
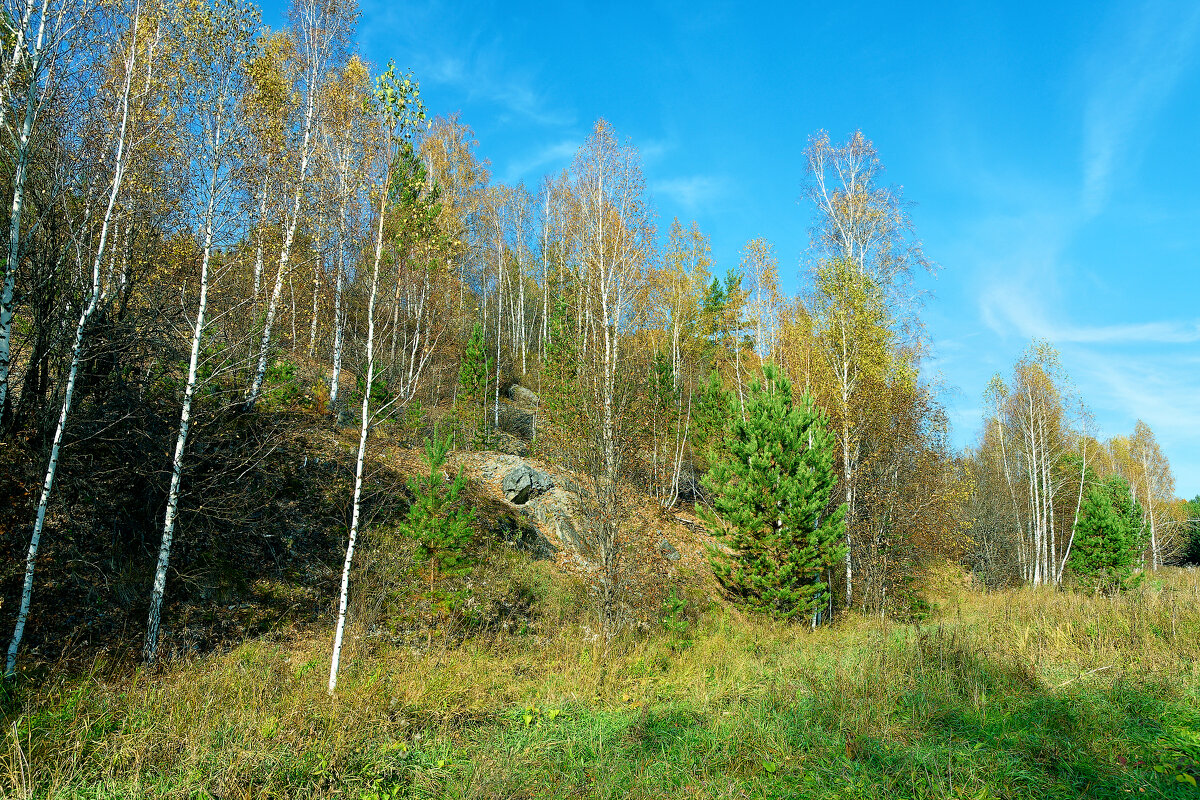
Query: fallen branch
(1082, 675)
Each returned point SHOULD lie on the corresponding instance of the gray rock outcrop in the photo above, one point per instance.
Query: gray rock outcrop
(668, 550)
(516, 421)
(519, 394)
(523, 482)
(554, 512)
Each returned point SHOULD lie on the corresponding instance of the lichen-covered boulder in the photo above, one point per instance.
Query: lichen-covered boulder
(524, 482)
(519, 394)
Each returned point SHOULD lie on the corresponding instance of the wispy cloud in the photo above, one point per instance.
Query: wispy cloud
(536, 162)
(484, 76)
(1140, 333)
(653, 150)
(1017, 257)
(1126, 371)
(1019, 308)
(452, 47)
(691, 191)
(1130, 81)
(1159, 388)
(1029, 271)
(1146, 386)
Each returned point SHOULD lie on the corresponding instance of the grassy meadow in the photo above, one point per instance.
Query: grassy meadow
(1011, 694)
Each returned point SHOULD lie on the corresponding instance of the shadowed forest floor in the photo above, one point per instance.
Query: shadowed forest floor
(1005, 695)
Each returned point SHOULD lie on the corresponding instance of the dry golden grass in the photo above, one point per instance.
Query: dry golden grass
(760, 701)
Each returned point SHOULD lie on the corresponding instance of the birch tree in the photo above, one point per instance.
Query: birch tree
(855, 343)
(761, 268)
(860, 220)
(866, 254)
(448, 150)
(1088, 452)
(679, 287)
(321, 29)
(38, 42)
(138, 34)
(268, 105)
(1154, 490)
(613, 233)
(686, 269)
(399, 110)
(416, 250)
(215, 39)
(343, 137)
(500, 219)
(1044, 461)
(1036, 411)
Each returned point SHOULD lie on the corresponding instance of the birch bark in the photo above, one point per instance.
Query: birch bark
(364, 427)
(96, 296)
(400, 111)
(158, 589)
(216, 43)
(321, 27)
(42, 30)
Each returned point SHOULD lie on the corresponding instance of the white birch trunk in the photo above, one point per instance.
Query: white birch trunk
(1048, 500)
(22, 145)
(675, 357)
(499, 314)
(338, 313)
(318, 265)
(1036, 499)
(14, 251)
(1022, 561)
(849, 476)
(521, 302)
(258, 250)
(154, 620)
(1078, 505)
(344, 593)
(47, 485)
(1155, 561)
(545, 337)
(95, 298)
(290, 234)
(681, 443)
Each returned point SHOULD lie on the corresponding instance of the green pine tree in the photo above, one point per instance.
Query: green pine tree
(559, 388)
(1110, 535)
(711, 418)
(473, 375)
(441, 526)
(1191, 531)
(662, 389)
(769, 497)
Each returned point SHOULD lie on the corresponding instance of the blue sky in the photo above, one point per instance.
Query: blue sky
(1052, 149)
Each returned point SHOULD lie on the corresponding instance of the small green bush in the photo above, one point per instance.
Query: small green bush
(677, 622)
(282, 387)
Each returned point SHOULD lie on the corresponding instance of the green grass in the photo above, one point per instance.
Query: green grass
(1010, 695)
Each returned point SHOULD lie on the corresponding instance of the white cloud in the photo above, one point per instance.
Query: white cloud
(450, 46)
(1125, 371)
(537, 161)
(485, 76)
(1148, 387)
(1161, 388)
(1130, 81)
(1019, 307)
(653, 150)
(690, 191)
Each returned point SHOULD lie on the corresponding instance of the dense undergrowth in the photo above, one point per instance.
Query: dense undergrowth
(1004, 695)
